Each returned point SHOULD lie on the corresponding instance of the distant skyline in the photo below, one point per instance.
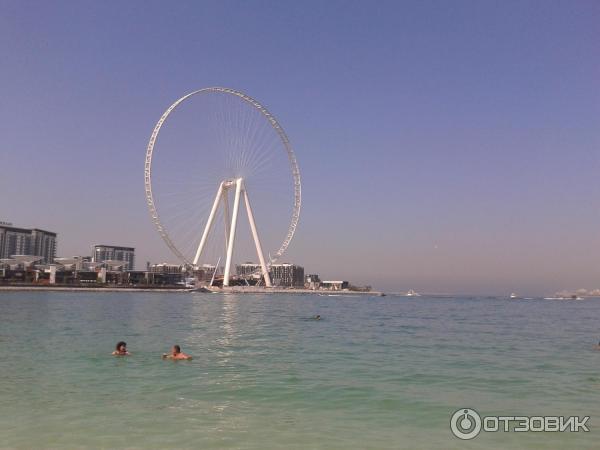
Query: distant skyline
(444, 146)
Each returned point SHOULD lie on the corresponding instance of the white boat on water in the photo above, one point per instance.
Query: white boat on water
(412, 293)
(513, 296)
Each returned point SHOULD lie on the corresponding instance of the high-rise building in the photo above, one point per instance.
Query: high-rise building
(289, 275)
(102, 253)
(25, 241)
(248, 269)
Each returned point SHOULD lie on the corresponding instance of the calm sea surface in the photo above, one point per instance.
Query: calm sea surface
(374, 373)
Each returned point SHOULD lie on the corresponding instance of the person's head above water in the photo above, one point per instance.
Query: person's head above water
(121, 349)
(176, 353)
(121, 346)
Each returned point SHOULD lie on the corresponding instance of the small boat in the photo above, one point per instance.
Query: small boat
(513, 296)
(412, 293)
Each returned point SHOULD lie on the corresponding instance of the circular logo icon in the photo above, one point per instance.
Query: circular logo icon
(465, 423)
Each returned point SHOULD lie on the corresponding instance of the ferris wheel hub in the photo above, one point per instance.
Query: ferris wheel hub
(230, 182)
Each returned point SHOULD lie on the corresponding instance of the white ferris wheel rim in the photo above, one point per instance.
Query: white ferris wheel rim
(284, 139)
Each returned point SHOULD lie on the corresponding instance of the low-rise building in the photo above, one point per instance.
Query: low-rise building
(206, 272)
(165, 268)
(335, 285)
(312, 281)
(75, 262)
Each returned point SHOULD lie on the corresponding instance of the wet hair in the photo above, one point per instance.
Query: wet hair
(177, 348)
(119, 344)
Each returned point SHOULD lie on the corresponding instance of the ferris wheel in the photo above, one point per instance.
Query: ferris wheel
(222, 147)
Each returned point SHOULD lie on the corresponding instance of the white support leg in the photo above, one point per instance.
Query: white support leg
(209, 223)
(236, 205)
(261, 257)
(226, 216)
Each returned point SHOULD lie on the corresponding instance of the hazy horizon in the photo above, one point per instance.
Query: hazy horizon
(443, 147)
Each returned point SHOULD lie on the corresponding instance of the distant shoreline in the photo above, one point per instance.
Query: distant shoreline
(254, 290)
(231, 290)
(90, 289)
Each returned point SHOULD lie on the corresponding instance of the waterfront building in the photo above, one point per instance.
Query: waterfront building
(283, 275)
(77, 263)
(27, 241)
(287, 275)
(335, 285)
(163, 273)
(248, 269)
(165, 268)
(206, 271)
(312, 281)
(111, 253)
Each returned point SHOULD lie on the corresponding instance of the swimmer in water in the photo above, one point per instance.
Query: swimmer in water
(176, 353)
(317, 317)
(121, 349)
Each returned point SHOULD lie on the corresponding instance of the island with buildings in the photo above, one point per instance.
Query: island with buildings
(28, 261)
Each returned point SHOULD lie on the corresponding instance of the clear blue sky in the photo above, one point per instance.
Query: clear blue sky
(444, 146)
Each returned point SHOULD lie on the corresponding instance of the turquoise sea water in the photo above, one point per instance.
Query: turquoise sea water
(374, 373)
